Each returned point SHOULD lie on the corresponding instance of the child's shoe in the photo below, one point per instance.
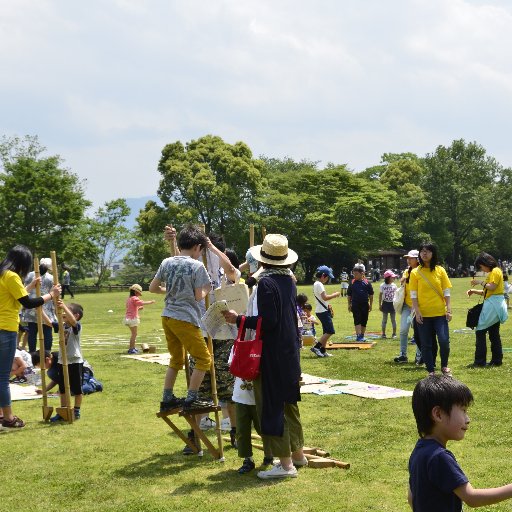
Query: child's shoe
(446, 371)
(133, 351)
(401, 359)
(246, 467)
(206, 423)
(174, 403)
(56, 418)
(197, 403)
(300, 463)
(76, 413)
(187, 450)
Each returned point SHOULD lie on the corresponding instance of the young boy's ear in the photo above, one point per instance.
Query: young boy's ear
(437, 414)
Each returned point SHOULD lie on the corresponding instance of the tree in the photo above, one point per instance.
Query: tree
(109, 235)
(41, 204)
(212, 182)
(465, 199)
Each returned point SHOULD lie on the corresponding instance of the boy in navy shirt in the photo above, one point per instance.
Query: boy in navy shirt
(436, 481)
(360, 300)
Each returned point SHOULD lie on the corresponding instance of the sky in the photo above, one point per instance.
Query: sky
(107, 83)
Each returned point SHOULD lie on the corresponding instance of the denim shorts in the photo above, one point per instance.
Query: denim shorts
(326, 321)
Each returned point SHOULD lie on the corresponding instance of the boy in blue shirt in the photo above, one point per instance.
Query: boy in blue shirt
(360, 300)
(436, 482)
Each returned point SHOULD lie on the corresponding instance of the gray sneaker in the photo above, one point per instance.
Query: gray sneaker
(317, 351)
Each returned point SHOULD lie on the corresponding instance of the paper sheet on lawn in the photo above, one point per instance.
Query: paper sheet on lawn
(162, 359)
(26, 392)
(213, 320)
(322, 386)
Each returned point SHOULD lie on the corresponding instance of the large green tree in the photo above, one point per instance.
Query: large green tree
(41, 204)
(467, 193)
(212, 182)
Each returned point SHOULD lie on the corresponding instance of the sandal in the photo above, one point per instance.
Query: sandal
(14, 423)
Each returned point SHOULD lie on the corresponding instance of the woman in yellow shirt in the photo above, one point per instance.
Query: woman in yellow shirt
(430, 295)
(13, 295)
(494, 311)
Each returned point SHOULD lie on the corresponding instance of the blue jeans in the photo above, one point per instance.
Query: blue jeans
(7, 352)
(434, 325)
(405, 325)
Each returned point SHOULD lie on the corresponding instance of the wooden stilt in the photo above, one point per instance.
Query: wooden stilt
(66, 411)
(263, 232)
(47, 411)
(251, 235)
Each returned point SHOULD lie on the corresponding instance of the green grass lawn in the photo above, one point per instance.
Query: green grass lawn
(120, 457)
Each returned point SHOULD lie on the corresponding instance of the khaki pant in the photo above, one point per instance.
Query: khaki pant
(293, 437)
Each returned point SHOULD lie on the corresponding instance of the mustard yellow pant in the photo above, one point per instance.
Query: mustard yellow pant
(183, 336)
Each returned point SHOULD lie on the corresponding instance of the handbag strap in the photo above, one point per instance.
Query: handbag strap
(431, 285)
(323, 305)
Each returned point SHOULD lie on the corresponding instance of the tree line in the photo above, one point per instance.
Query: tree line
(456, 196)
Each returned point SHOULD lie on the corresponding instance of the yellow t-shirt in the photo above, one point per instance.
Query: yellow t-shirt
(407, 295)
(430, 301)
(495, 276)
(11, 289)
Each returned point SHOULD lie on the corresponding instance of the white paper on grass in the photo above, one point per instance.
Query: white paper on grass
(213, 320)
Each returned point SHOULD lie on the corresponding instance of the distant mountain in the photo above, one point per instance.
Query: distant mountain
(136, 204)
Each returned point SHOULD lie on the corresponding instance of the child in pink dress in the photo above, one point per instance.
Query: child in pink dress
(132, 320)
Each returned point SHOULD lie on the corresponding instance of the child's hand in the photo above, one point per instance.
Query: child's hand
(33, 284)
(39, 391)
(469, 293)
(152, 301)
(169, 233)
(55, 291)
(60, 303)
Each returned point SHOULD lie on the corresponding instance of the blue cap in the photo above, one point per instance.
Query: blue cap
(324, 269)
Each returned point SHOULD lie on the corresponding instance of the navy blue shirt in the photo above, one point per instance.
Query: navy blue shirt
(360, 291)
(433, 476)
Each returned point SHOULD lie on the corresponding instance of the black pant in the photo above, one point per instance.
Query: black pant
(64, 288)
(481, 345)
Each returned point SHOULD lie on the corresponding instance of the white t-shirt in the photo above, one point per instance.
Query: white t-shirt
(318, 289)
(388, 292)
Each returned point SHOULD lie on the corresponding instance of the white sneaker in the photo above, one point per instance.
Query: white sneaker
(225, 424)
(206, 423)
(317, 351)
(278, 472)
(326, 354)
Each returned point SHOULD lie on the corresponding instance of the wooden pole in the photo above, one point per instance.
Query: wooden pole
(66, 412)
(47, 411)
(213, 379)
(263, 232)
(251, 235)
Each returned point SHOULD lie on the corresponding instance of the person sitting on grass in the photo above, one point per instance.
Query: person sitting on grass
(50, 363)
(71, 314)
(437, 482)
(186, 284)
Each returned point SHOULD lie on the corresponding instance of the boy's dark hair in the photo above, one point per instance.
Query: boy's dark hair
(308, 307)
(485, 259)
(190, 236)
(218, 241)
(76, 309)
(302, 299)
(36, 356)
(18, 260)
(233, 258)
(437, 390)
(430, 247)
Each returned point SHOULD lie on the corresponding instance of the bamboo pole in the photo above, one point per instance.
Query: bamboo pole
(66, 411)
(47, 411)
(263, 232)
(251, 235)
(213, 379)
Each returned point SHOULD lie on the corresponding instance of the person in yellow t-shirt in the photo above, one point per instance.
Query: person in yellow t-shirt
(494, 311)
(13, 295)
(430, 296)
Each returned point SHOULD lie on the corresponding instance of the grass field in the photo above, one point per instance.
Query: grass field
(120, 457)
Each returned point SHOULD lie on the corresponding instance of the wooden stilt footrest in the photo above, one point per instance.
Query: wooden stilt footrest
(66, 413)
(198, 433)
(47, 413)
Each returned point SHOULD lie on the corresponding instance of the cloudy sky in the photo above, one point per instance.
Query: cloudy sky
(107, 83)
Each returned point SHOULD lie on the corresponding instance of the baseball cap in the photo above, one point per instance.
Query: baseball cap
(360, 267)
(413, 253)
(389, 273)
(324, 269)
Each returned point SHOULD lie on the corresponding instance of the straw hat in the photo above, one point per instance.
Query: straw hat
(274, 251)
(136, 288)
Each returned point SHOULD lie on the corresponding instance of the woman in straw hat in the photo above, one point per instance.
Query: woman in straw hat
(277, 388)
